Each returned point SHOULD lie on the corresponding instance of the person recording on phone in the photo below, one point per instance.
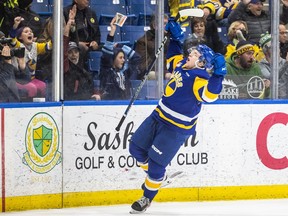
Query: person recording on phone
(9, 74)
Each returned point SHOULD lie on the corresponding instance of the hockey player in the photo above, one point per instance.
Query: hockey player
(160, 136)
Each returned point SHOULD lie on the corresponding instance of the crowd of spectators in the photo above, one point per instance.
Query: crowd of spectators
(28, 73)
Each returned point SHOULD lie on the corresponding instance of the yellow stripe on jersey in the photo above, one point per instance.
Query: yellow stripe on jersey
(209, 96)
(173, 61)
(173, 122)
(199, 83)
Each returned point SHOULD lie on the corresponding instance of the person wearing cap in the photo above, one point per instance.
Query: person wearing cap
(265, 66)
(242, 64)
(242, 61)
(258, 20)
(238, 31)
(158, 139)
(78, 83)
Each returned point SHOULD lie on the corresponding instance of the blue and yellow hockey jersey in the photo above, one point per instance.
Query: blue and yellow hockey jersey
(184, 94)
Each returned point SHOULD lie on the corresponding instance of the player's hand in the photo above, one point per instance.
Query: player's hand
(207, 55)
(175, 30)
(219, 65)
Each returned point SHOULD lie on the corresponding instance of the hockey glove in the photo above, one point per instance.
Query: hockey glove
(207, 55)
(175, 30)
(219, 64)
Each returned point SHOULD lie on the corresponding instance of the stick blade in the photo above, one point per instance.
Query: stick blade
(191, 12)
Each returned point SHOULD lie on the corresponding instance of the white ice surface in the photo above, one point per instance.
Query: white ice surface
(277, 207)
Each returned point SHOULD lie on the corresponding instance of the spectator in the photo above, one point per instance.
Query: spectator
(44, 61)
(242, 63)
(265, 66)
(283, 39)
(114, 74)
(9, 74)
(257, 19)
(78, 83)
(219, 10)
(24, 37)
(206, 28)
(145, 47)
(233, 35)
(87, 27)
(238, 31)
(14, 8)
(176, 5)
(208, 8)
(223, 11)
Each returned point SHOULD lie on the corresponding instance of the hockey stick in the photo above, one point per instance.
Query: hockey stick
(136, 93)
(191, 12)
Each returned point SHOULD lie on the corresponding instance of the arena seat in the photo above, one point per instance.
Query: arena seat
(105, 19)
(222, 31)
(94, 62)
(141, 6)
(105, 29)
(132, 33)
(144, 19)
(43, 8)
(108, 7)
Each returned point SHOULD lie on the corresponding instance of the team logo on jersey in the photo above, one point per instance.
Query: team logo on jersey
(173, 84)
(42, 144)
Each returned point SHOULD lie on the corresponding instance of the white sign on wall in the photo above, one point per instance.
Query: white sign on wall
(234, 146)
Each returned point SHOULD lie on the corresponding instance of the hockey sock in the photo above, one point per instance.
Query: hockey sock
(154, 179)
